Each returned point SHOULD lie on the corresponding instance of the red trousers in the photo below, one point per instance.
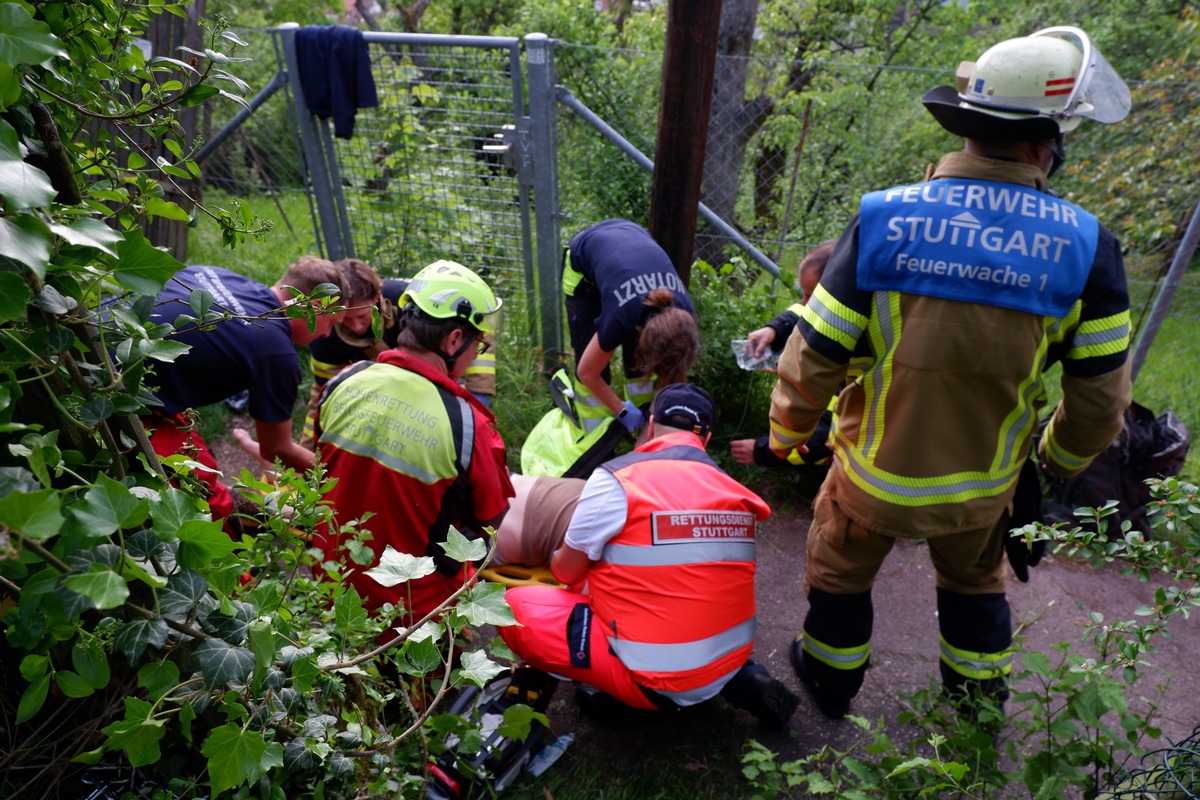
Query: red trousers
(555, 634)
(169, 435)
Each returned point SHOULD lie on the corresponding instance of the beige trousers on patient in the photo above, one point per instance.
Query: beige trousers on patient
(537, 519)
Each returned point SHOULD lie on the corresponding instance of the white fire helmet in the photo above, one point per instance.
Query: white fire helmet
(1033, 88)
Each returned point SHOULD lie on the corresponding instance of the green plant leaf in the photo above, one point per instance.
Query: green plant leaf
(202, 543)
(14, 296)
(95, 411)
(419, 657)
(72, 685)
(24, 40)
(108, 506)
(237, 756)
(222, 662)
(462, 549)
(32, 699)
(484, 604)
(157, 207)
(141, 267)
(88, 232)
(170, 512)
(34, 665)
(103, 587)
(262, 644)
(1037, 663)
(138, 734)
(396, 567)
(348, 611)
(197, 94)
(34, 514)
(89, 660)
(184, 590)
(25, 239)
(478, 668)
(52, 301)
(158, 678)
(133, 637)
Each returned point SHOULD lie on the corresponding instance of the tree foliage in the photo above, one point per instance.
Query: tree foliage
(137, 633)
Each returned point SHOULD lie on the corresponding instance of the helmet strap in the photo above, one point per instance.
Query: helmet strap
(1058, 151)
(452, 359)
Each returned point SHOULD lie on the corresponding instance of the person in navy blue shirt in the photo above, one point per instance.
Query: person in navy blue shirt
(254, 349)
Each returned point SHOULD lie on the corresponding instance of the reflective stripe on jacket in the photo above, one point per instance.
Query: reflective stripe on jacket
(674, 589)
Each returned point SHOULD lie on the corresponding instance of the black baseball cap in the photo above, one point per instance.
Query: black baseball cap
(685, 406)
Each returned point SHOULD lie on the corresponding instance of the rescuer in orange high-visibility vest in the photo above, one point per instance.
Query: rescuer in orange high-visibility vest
(666, 543)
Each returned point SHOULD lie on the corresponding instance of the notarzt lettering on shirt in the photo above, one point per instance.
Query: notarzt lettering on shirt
(639, 286)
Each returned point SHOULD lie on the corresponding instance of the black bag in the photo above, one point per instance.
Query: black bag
(1148, 447)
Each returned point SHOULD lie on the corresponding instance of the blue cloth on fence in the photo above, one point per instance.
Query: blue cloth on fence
(335, 74)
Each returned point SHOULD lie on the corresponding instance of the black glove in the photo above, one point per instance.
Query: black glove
(1027, 509)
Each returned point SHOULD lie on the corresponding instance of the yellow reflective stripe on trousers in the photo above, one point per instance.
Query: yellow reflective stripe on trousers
(832, 319)
(846, 658)
(1101, 337)
(974, 665)
(683, 656)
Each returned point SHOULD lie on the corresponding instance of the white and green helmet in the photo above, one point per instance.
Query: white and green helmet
(1032, 88)
(447, 290)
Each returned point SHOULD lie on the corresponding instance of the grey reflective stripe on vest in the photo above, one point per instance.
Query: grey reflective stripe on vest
(466, 445)
(679, 452)
(383, 457)
(673, 555)
(645, 657)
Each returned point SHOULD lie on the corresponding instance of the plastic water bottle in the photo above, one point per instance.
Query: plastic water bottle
(549, 754)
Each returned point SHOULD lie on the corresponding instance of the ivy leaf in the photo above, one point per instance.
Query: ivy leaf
(158, 678)
(262, 645)
(478, 668)
(420, 657)
(107, 506)
(144, 544)
(135, 636)
(88, 232)
(141, 267)
(222, 662)
(462, 549)
(484, 604)
(71, 684)
(157, 207)
(32, 699)
(35, 514)
(14, 296)
(202, 543)
(25, 238)
(183, 593)
(105, 588)
(137, 734)
(396, 567)
(52, 301)
(196, 94)
(237, 756)
(24, 40)
(96, 411)
(170, 512)
(348, 611)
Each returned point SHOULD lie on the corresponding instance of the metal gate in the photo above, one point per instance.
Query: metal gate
(439, 169)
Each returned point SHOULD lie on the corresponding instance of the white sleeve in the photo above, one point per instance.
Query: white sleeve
(599, 515)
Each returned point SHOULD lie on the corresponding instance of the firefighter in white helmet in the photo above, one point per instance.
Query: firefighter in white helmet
(957, 293)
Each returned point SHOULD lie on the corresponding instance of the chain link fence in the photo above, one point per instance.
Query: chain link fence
(785, 169)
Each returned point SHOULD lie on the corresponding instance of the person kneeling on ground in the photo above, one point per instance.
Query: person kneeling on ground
(404, 441)
(666, 543)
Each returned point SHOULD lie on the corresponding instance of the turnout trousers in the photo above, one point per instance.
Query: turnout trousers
(843, 558)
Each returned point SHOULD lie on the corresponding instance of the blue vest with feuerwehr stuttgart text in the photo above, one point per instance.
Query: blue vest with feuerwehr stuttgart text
(977, 242)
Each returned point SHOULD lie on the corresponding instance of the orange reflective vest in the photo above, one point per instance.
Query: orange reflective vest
(674, 589)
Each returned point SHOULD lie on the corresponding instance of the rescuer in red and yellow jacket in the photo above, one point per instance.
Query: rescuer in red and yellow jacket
(409, 445)
(665, 541)
(958, 293)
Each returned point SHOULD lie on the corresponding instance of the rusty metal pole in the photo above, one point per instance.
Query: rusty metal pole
(687, 87)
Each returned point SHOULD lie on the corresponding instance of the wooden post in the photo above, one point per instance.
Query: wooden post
(687, 87)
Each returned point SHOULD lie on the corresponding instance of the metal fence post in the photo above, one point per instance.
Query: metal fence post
(539, 59)
(319, 160)
(1183, 256)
